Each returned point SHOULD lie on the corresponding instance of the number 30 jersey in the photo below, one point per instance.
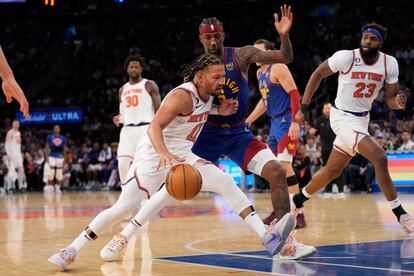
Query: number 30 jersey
(358, 82)
(136, 104)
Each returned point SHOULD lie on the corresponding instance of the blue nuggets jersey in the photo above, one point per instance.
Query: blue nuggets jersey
(274, 97)
(235, 87)
(56, 143)
(229, 135)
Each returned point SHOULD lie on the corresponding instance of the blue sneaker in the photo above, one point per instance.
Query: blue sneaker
(277, 233)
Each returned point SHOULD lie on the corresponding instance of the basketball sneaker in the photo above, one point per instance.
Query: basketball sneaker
(407, 223)
(293, 249)
(300, 221)
(115, 249)
(64, 257)
(277, 233)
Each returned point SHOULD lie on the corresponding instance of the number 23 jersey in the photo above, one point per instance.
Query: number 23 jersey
(358, 82)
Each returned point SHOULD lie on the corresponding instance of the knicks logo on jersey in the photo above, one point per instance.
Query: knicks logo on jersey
(366, 76)
(57, 141)
(198, 117)
(131, 91)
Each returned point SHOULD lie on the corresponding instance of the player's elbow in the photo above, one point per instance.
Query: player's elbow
(288, 58)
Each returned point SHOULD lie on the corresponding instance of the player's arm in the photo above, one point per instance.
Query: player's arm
(10, 87)
(317, 76)
(154, 92)
(176, 103)
(281, 74)
(117, 119)
(394, 99)
(256, 113)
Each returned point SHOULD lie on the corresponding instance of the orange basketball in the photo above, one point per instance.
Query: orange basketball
(183, 182)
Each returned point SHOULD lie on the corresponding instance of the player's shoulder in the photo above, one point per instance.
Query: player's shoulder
(280, 67)
(344, 54)
(390, 59)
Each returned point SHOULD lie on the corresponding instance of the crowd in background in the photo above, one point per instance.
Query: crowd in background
(74, 58)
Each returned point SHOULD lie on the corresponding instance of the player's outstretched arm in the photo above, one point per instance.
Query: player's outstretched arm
(10, 87)
(249, 54)
(320, 73)
(177, 102)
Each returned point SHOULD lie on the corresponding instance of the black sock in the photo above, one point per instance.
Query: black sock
(299, 199)
(398, 211)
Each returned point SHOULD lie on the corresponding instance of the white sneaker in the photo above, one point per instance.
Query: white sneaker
(115, 249)
(407, 223)
(48, 190)
(64, 257)
(277, 233)
(294, 250)
(57, 189)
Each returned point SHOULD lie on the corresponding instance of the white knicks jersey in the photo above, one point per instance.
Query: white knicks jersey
(136, 104)
(183, 131)
(359, 83)
(13, 144)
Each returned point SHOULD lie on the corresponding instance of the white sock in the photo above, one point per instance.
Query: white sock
(130, 229)
(81, 241)
(254, 221)
(395, 203)
(292, 204)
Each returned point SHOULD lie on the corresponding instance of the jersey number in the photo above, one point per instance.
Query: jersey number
(360, 93)
(194, 133)
(131, 101)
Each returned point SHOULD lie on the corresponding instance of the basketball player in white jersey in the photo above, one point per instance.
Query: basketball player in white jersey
(139, 99)
(15, 156)
(362, 73)
(170, 138)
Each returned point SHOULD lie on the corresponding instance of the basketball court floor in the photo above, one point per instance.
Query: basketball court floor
(355, 235)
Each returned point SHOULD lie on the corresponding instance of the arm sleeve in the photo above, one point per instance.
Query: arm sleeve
(341, 61)
(392, 70)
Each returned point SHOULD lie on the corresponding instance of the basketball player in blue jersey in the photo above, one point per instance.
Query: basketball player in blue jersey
(280, 98)
(230, 135)
(57, 145)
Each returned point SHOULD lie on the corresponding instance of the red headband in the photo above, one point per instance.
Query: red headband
(211, 28)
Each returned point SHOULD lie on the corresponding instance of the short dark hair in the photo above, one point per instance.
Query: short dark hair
(136, 57)
(267, 44)
(377, 26)
(199, 64)
(210, 20)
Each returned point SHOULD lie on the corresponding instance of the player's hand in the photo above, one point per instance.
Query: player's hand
(11, 89)
(167, 159)
(300, 118)
(401, 100)
(117, 119)
(294, 131)
(283, 26)
(228, 107)
(249, 122)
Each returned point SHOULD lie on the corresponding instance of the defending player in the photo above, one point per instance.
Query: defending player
(362, 73)
(281, 100)
(170, 137)
(230, 135)
(139, 99)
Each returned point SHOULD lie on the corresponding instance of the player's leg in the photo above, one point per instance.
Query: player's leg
(21, 177)
(337, 161)
(129, 198)
(51, 175)
(58, 174)
(370, 149)
(215, 180)
(125, 153)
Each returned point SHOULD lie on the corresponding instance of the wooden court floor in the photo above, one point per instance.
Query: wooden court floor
(33, 227)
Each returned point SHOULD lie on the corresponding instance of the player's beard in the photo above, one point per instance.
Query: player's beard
(215, 51)
(370, 55)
